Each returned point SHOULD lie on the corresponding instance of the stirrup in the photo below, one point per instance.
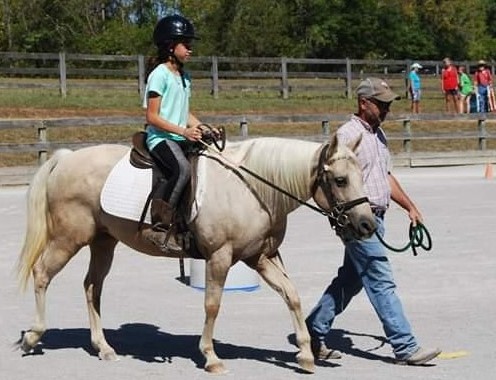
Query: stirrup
(161, 227)
(160, 236)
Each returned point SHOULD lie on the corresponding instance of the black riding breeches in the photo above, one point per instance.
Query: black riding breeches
(171, 159)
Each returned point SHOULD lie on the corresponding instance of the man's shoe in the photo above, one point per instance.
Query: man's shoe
(421, 356)
(322, 352)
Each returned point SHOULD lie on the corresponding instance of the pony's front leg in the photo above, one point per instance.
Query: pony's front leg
(216, 270)
(273, 272)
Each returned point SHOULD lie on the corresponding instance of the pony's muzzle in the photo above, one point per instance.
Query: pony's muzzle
(366, 227)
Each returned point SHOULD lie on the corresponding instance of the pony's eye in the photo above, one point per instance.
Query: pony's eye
(341, 181)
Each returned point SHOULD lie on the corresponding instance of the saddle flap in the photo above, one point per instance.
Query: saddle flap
(140, 155)
(127, 188)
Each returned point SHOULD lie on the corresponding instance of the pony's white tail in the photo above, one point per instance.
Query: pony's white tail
(38, 219)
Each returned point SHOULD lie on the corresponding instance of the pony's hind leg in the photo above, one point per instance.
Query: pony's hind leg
(53, 260)
(102, 255)
(273, 272)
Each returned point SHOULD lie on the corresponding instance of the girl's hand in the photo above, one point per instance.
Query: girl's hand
(193, 133)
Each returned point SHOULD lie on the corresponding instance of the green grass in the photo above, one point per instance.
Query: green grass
(235, 97)
(325, 97)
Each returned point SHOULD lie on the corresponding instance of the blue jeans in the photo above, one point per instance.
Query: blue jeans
(483, 100)
(365, 265)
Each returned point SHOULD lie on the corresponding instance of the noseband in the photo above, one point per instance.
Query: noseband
(338, 217)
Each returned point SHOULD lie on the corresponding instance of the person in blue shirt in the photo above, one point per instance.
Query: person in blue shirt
(170, 125)
(414, 87)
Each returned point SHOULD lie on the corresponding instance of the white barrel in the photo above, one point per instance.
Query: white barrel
(240, 277)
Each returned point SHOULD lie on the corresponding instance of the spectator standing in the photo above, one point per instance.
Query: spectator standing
(466, 90)
(449, 85)
(414, 87)
(483, 81)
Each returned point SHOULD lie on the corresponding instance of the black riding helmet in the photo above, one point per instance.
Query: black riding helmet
(173, 28)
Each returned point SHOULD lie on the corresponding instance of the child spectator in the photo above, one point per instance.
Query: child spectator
(414, 85)
(449, 85)
(483, 81)
(466, 90)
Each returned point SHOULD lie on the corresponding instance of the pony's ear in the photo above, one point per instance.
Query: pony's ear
(353, 145)
(333, 145)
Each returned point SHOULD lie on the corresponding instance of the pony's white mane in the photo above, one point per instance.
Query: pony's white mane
(287, 163)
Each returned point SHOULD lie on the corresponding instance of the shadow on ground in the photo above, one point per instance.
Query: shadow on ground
(147, 343)
(342, 340)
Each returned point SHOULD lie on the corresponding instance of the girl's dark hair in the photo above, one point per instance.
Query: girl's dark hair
(164, 54)
(151, 63)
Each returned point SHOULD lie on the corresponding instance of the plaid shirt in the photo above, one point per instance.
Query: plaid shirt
(374, 158)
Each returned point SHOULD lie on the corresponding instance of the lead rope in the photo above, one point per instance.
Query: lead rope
(416, 236)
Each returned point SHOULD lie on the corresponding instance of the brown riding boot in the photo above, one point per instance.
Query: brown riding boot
(159, 234)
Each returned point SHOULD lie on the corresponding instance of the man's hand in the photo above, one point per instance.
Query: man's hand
(415, 216)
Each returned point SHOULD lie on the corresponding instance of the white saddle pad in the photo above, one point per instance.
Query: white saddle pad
(126, 189)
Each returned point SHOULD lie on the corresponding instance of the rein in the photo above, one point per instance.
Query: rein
(337, 216)
(416, 239)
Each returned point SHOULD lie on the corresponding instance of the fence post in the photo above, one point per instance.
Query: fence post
(141, 75)
(407, 72)
(42, 139)
(325, 127)
(215, 77)
(348, 79)
(62, 75)
(482, 134)
(284, 78)
(407, 136)
(243, 128)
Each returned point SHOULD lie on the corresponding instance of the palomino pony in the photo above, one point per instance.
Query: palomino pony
(241, 219)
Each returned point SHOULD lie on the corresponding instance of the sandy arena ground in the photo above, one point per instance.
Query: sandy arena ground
(154, 321)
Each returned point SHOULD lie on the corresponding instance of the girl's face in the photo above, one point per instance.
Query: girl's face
(183, 50)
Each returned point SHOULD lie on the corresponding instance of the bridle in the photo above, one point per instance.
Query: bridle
(337, 215)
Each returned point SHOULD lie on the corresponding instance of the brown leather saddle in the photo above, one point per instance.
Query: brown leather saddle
(140, 155)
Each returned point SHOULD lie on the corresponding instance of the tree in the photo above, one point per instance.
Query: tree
(458, 26)
(259, 28)
(419, 29)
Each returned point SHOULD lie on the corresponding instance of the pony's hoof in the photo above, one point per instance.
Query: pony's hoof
(26, 348)
(307, 364)
(109, 356)
(28, 341)
(216, 368)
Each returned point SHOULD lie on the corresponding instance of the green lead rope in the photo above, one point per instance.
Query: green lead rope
(416, 234)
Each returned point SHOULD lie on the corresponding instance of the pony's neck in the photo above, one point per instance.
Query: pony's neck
(288, 164)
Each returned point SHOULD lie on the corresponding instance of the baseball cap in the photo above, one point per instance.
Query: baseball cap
(416, 66)
(378, 89)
